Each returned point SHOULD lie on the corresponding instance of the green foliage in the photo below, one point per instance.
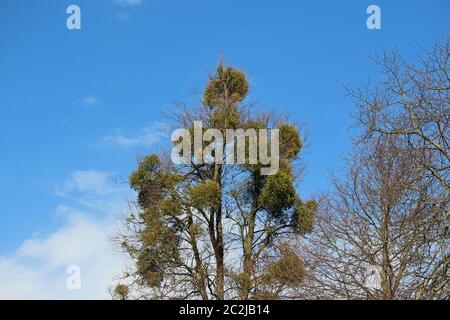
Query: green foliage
(170, 207)
(205, 195)
(148, 268)
(287, 270)
(159, 250)
(147, 171)
(195, 230)
(226, 83)
(152, 183)
(226, 118)
(254, 124)
(262, 294)
(167, 234)
(278, 194)
(121, 292)
(159, 239)
(290, 141)
(304, 216)
(145, 180)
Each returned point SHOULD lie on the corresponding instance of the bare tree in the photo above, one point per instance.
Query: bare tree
(412, 102)
(374, 238)
(384, 231)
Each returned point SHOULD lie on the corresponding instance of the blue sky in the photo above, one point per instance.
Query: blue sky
(78, 106)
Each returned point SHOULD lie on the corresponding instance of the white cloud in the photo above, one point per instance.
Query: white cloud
(129, 2)
(37, 268)
(90, 181)
(90, 101)
(17, 281)
(123, 16)
(80, 236)
(146, 136)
